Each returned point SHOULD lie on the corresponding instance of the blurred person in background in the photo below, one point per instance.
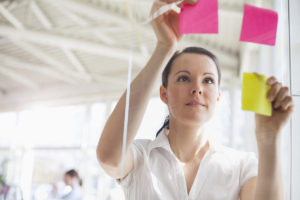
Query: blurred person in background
(73, 190)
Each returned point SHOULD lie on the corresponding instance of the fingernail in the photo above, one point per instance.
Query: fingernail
(270, 82)
(270, 98)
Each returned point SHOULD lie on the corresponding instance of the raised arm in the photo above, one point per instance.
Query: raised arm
(109, 149)
(269, 180)
(268, 183)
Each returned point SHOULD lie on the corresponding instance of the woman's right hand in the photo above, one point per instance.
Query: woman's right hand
(166, 26)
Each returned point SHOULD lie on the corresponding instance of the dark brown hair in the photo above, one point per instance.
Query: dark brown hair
(74, 174)
(196, 50)
(167, 70)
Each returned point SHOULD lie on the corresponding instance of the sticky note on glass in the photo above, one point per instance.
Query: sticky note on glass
(199, 18)
(259, 25)
(254, 94)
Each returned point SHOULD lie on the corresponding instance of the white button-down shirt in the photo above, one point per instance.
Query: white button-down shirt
(158, 174)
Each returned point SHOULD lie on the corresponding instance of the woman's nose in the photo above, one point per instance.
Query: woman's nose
(197, 88)
(197, 91)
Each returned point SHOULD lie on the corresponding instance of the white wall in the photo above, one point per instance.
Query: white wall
(294, 8)
(295, 45)
(295, 178)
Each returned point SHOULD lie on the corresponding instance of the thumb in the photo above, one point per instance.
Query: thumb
(186, 1)
(192, 2)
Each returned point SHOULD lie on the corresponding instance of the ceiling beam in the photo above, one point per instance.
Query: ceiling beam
(90, 30)
(10, 17)
(79, 20)
(25, 81)
(75, 62)
(16, 63)
(47, 24)
(37, 52)
(48, 59)
(69, 14)
(40, 15)
(44, 57)
(57, 95)
(101, 14)
(70, 43)
(105, 28)
(93, 12)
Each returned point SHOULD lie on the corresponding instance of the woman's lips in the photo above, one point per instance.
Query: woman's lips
(195, 104)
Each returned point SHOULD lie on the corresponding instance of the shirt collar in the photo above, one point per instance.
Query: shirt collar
(161, 141)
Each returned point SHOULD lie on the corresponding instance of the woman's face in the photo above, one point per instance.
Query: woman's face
(192, 90)
(68, 180)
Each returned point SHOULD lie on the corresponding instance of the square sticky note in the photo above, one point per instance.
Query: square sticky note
(199, 18)
(254, 94)
(259, 25)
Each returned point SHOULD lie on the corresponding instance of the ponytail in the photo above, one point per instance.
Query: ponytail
(165, 125)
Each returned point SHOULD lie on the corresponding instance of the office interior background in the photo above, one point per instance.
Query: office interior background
(64, 64)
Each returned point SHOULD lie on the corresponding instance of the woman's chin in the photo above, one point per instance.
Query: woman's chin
(196, 120)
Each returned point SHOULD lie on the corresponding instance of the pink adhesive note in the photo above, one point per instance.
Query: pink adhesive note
(199, 18)
(259, 25)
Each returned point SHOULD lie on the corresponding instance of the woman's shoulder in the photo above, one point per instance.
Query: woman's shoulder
(230, 152)
(141, 144)
(229, 158)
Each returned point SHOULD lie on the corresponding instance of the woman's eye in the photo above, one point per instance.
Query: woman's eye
(183, 79)
(209, 80)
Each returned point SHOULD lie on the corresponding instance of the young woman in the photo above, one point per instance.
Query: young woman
(71, 178)
(180, 163)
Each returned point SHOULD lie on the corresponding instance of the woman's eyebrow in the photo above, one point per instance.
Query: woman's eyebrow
(208, 73)
(183, 71)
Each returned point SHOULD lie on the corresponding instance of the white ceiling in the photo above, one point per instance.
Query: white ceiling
(69, 51)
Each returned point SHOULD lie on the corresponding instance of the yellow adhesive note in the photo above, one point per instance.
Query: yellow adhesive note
(254, 94)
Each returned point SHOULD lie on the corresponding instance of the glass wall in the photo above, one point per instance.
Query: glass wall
(294, 16)
(38, 146)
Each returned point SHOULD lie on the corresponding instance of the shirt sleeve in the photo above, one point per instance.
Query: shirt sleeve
(249, 167)
(137, 150)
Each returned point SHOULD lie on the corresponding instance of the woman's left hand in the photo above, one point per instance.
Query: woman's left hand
(269, 127)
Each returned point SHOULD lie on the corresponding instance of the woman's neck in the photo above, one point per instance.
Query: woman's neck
(187, 142)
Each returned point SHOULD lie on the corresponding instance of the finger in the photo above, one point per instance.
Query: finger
(271, 80)
(156, 5)
(284, 92)
(174, 23)
(287, 103)
(192, 2)
(169, 1)
(275, 88)
(180, 5)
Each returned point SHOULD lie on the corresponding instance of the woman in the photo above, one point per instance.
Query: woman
(72, 179)
(180, 163)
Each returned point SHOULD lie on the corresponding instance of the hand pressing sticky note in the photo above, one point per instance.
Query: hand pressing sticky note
(199, 18)
(259, 25)
(254, 94)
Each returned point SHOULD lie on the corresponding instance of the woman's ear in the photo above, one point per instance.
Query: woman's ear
(163, 94)
(219, 96)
